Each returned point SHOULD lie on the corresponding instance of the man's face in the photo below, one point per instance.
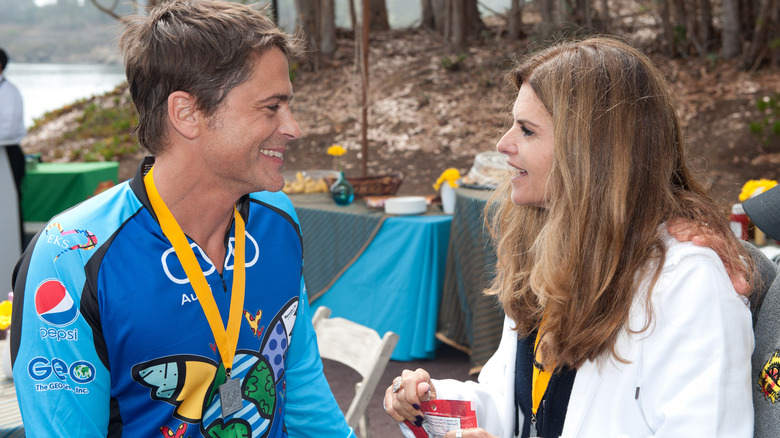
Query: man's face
(244, 142)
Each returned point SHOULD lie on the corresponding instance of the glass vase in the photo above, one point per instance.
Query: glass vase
(342, 191)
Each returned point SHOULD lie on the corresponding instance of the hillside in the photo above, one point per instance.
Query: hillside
(431, 109)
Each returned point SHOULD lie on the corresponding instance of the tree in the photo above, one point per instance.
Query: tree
(456, 20)
(548, 22)
(378, 16)
(135, 6)
(515, 20)
(766, 36)
(731, 43)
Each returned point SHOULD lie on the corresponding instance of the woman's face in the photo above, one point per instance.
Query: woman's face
(529, 146)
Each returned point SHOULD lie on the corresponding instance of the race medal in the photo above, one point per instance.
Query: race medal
(226, 339)
(230, 397)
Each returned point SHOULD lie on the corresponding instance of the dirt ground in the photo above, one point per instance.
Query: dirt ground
(430, 108)
(424, 117)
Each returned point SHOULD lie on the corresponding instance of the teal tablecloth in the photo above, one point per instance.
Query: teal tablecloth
(468, 319)
(394, 270)
(51, 188)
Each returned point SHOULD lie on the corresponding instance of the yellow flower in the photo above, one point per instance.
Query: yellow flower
(336, 150)
(755, 187)
(451, 176)
(5, 314)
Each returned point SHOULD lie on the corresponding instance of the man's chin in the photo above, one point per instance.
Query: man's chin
(273, 186)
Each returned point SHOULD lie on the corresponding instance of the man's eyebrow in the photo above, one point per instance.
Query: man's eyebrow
(280, 97)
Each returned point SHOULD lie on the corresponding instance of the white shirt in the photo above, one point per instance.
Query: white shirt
(12, 129)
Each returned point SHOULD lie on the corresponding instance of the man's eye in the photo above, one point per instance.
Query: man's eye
(273, 108)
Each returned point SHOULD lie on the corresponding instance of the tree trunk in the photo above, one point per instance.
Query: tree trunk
(683, 31)
(456, 20)
(605, 27)
(765, 35)
(547, 11)
(275, 11)
(457, 33)
(732, 29)
(515, 20)
(352, 17)
(707, 31)
(668, 28)
(307, 13)
(378, 11)
(327, 27)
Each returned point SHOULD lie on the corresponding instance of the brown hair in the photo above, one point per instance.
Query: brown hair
(202, 47)
(618, 174)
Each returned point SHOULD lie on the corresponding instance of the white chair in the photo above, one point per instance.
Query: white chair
(360, 348)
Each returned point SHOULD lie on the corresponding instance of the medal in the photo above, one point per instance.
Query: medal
(226, 339)
(230, 397)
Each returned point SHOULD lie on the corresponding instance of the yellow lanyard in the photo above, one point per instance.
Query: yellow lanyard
(226, 340)
(540, 379)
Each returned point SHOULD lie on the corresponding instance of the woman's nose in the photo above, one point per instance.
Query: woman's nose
(505, 145)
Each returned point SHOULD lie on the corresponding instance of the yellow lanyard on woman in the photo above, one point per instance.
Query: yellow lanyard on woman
(539, 382)
(226, 340)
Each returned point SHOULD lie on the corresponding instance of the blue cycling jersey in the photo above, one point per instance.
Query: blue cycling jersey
(108, 337)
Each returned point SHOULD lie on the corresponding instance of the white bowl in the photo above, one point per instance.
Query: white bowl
(406, 205)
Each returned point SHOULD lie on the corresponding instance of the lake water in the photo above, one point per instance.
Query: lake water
(46, 87)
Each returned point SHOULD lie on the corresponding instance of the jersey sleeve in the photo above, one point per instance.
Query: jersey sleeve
(60, 381)
(311, 409)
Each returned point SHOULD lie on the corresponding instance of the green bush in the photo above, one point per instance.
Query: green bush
(768, 127)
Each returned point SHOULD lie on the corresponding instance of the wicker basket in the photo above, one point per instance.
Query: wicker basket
(379, 185)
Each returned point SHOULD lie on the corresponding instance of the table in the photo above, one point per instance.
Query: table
(468, 319)
(10, 417)
(51, 188)
(385, 272)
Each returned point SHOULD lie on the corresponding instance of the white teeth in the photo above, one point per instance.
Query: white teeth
(274, 154)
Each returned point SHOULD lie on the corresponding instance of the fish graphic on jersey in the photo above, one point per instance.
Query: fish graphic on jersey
(191, 382)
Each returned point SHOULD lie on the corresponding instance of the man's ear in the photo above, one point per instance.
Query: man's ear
(183, 114)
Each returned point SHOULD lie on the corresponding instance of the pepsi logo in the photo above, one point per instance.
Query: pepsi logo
(54, 305)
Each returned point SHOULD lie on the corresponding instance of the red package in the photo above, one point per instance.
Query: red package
(442, 416)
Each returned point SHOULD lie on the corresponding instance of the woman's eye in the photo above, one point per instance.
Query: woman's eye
(527, 132)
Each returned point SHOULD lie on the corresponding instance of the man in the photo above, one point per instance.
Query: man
(12, 131)
(148, 309)
(763, 212)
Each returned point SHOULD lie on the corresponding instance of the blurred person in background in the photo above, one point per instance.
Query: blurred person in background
(12, 131)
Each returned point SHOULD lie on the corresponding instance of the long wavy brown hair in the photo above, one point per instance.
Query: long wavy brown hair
(618, 175)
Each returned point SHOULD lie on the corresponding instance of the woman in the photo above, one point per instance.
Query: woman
(613, 327)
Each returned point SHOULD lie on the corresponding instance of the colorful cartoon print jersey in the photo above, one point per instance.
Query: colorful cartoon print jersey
(109, 338)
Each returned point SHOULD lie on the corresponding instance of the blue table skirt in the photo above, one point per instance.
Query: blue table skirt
(396, 284)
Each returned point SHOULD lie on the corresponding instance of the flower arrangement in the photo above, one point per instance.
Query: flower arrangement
(336, 150)
(5, 314)
(450, 176)
(755, 187)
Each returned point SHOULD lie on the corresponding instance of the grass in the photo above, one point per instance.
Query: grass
(102, 129)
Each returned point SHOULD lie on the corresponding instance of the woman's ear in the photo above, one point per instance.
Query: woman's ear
(183, 115)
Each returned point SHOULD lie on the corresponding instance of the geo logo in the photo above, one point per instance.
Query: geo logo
(80, 371)
(54, 305)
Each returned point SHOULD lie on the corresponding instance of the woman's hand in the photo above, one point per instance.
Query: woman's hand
(403, 397)
(686, 230)
(468, 433)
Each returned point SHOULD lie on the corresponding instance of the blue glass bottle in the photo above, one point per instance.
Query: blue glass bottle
(342, 191)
